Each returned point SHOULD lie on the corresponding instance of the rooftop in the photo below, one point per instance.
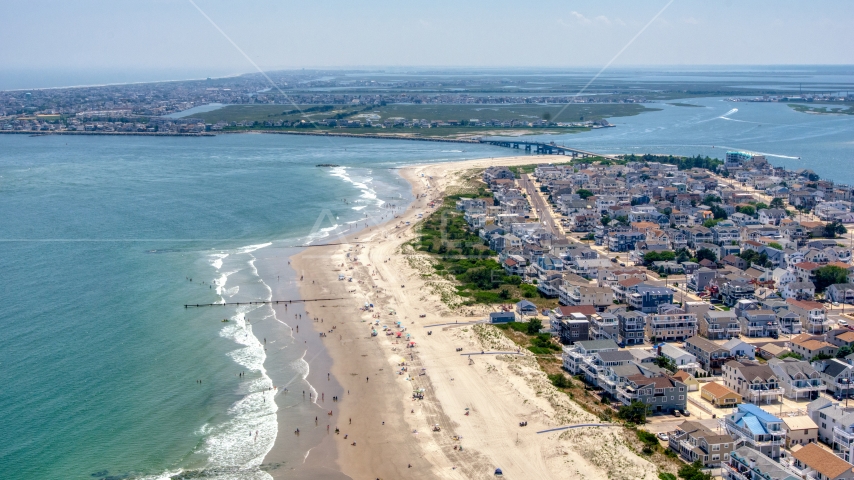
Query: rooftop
(822, 461)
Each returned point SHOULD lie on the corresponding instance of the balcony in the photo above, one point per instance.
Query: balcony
(607, 383)
(757, 394)
(734, 474)
(627, 395)
(806, 390)
(843, 438)
(773, 439)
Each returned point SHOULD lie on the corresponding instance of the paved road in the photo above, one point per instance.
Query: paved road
(544, 213)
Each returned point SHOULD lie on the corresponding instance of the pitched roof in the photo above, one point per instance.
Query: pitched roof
(807, 265)
(750, 372)
(717, 390)
(757, 412)
(822, 461)
(630, 282)
(805, 305)
(565, 310)
(659, 382)
(704, 344)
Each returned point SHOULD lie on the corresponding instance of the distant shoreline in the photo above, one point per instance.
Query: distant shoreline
(128, 134)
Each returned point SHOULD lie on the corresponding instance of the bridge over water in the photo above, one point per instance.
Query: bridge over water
(543, 148)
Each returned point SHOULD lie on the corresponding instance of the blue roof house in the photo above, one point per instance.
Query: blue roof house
(758, 428)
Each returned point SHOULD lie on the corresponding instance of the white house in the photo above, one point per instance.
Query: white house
(771, 216)
(681, 358)
(782, 276)
(740, 348)
(798, 290)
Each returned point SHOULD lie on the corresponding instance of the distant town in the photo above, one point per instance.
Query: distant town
(680, 287)
(303, 99)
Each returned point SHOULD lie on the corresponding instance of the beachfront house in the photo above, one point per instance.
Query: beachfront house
(746, 463)
(579, 356)
(694, 441)
(661, 393)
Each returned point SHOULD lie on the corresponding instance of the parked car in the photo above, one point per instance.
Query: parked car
(662, 436)
(676, 413)
(842, 323)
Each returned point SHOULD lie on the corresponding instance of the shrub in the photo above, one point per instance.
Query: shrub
(648, 439)
(559, 380)
(534, 326)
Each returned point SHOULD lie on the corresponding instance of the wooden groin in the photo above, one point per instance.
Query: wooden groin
(272, 302)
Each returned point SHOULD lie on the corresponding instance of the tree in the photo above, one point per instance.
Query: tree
(694, 471)
(821, 356)
(775, 245)
(760, 206)
(844, 351)
(746, 209)
(606, 220)
(665, 256)
(665, 363)
(718, 212)
(584, 193)
(711, 199)
(534, 326)
(834, 228)
(777, 203)
(829, 275)
(635, 412)
(795, 355)
(705, 253)
(710, 223)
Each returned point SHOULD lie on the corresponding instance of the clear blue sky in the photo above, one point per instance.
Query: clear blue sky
(172, 34)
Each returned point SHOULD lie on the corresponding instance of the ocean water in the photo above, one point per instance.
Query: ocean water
(102, 242)
(795, 140)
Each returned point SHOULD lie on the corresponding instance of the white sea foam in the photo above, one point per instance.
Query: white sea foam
(216, 259)
(237, 447)
(360, 208)
(252, 248)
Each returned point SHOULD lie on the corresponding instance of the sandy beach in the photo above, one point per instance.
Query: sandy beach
(477, 401)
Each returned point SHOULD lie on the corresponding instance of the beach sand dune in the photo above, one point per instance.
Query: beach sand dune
(477, 401)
